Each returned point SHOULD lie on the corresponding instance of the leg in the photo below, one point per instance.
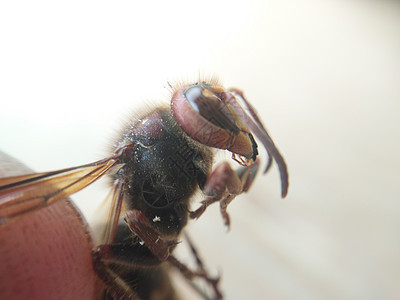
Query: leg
(223, 185)
(212, 281)
(141, 226)
(123, 265)
(117, 287)
(138, 277)
(150, 250)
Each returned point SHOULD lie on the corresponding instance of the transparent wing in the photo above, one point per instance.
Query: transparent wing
(104, 222)
(114, 212)
(22, 194)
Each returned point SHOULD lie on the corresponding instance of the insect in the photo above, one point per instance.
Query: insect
(159, 162)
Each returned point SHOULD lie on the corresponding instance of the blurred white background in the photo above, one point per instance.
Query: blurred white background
(324, 76)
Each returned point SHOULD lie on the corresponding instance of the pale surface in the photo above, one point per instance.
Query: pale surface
(324, 76)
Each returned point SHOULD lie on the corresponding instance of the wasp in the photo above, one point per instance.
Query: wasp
(159, 162)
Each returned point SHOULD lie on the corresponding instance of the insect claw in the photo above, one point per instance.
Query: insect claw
(173, 243)
(198, 212)
(227, 222)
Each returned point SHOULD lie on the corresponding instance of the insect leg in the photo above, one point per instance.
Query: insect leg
(223, 185)
(161, 249)
(190, 275)
(212, 281)
(145, 249)
(116, 286)
(141, 226)
(119, 263)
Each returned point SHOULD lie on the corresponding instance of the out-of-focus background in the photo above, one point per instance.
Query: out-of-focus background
(323, 75)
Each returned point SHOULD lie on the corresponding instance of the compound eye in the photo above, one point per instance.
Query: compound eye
(209, 103)
(204, 113)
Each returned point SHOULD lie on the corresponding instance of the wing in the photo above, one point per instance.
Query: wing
(22, 194)
(114, 212)
(104, 222)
